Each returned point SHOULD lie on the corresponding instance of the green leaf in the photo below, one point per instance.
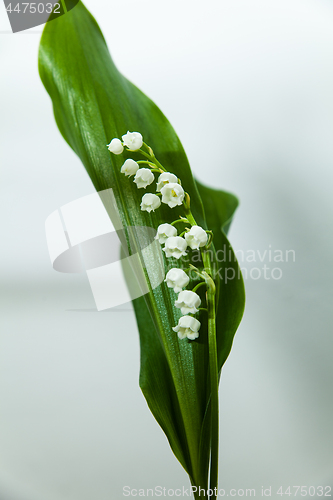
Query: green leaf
(93, 103)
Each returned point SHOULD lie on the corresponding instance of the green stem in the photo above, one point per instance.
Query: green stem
(146, 155)
(213, 367)
(158, 164)
(152, 157)
(185, 221)
(211, 236)
(198, 286)
(214, 382)
(150, 163)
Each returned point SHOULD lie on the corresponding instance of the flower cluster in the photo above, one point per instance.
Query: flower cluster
(170, 192)
(167, 184)
(188, 301)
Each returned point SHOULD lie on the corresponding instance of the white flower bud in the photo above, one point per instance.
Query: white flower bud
(165, 178)
(129, 168)
(133, 140)
(175, 247)
(172, 194)
(176, 278)
(116, 147)
(188, 302)
(143, 177)
(150, 202)
(165, 231)
(196, 237)
(187, 327)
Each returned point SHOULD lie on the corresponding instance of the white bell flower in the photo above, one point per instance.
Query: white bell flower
(172, 194)
(165, 178)
(143, 177)
(116, 147)
(175, 247)
(196, 237)
(150, 202)
(165, 231)
(187, 327)
(176, 278)
(188, 302)
(133, 140)
(129, 168)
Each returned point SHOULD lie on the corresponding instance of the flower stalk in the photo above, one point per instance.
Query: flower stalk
(193, 237)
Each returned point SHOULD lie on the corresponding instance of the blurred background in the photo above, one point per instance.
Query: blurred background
(248, 86)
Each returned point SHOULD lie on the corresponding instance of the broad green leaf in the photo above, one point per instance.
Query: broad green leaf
(93, 103)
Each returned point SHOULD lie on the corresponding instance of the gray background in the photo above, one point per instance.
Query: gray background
(248, 86)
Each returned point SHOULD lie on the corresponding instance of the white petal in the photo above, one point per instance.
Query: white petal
(116, 146)
(172, 194)
(187, 327)
(150, 202)
(196, 238)
(143, 177)
(176, 278)
(165, 178)
(175, 247)
(165, 231)
(130, 167)
(193, 335)
(133, 140)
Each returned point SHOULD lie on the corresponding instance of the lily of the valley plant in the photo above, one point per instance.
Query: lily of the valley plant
(187, 323)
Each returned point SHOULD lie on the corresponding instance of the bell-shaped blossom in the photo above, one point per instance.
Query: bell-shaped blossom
(133, 140)
(150, 202)
(164, 179)
(172, 194)
(196, 237)
(116, 147)
(187, 327)
(176, 278)
(129, 168)
(143, 177)
(175, 247)
(165, 231)
(188, 302)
